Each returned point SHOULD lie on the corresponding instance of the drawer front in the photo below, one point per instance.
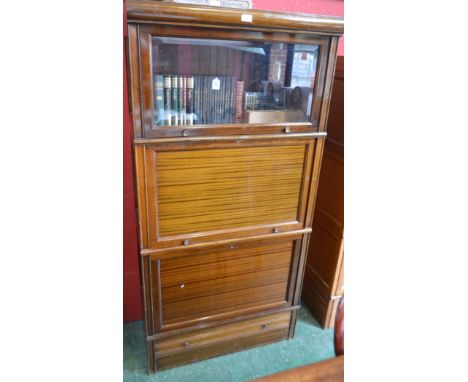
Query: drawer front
(199, 344)
(201, 193)
(217, 283)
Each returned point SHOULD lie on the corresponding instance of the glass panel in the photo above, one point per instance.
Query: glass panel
(206, 82)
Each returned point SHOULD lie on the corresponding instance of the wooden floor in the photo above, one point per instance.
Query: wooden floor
(330, 370)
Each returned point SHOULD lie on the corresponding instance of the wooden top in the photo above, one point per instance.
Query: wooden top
(330, 370)
(144, 11)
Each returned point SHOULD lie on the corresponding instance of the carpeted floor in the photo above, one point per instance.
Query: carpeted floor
(310, 344)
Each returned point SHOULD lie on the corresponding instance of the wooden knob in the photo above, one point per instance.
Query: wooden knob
(265, 326)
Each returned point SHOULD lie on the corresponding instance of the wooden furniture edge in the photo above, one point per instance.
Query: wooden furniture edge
(211, 324)
(150, 11)
(148, 252)
(142, 141)
(331, 369)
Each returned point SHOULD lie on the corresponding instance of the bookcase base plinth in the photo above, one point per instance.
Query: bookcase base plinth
(179, 349)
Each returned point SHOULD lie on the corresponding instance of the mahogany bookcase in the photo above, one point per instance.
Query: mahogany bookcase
(229, 109)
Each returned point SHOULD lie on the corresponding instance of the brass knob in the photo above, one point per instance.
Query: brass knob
(276, 230)
(182, 286)
(186, 242)
(186, 344)
(185, 133)
(287, 129)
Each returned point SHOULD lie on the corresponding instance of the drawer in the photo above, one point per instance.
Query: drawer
(216, 283)
(181, 348)
(199, 192)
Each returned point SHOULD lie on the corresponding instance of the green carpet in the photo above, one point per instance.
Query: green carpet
(310, 344)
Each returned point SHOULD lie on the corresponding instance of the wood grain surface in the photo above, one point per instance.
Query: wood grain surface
(217, 282)
(323, 280)
(209, 64)
(205, 192)
(219, 348)
(208, 190)
(205, 343)
(201, 338)
(330, 370)
(225, 212)
(150, 11)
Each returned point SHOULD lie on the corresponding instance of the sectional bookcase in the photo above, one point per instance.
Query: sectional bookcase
(229, 111)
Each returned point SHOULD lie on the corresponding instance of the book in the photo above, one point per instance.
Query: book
(285, 96)
(217, 92)
(227, 107)
(255, 101)
(212, 99)
(234, 99)
(197, 100)
(181, 103)
(167, 100)
(174, 101)
(239, 101)
(230, 99)
(200, 100)
(204, 100)
(225, 104)
(189, 100)
(158, 100)
(225, 100)
(184, 99)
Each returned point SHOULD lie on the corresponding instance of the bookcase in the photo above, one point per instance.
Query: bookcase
(323, 278)
(229, 110)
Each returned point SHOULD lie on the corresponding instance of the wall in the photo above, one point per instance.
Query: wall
(319, 7)
(132, 304)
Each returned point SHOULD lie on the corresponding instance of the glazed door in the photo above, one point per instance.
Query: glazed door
(195, 83)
